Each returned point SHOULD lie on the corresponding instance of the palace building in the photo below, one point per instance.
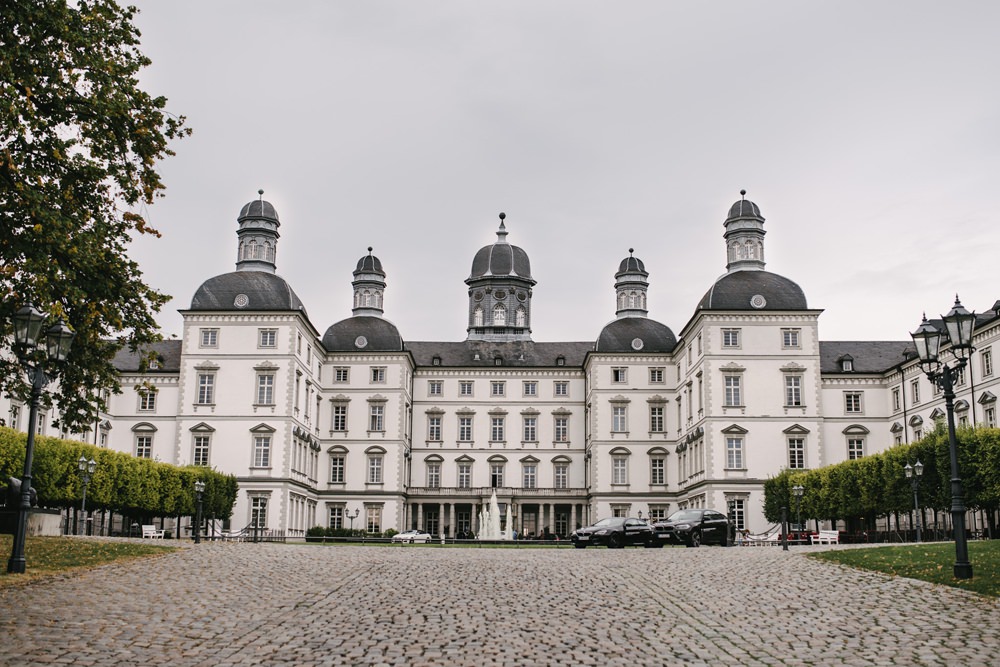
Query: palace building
(357, 426)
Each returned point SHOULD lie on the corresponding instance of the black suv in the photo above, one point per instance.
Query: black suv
(693, 527)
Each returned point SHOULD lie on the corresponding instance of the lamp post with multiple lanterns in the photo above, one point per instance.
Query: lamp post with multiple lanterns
(87, 469)
(58, 339)
(914, 473)
(199, 491)
(959, 324)
(797, 491)
(352, 517)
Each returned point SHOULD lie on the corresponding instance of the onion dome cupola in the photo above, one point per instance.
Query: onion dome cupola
(631, 286)
(746, 285)
(254, 285)
(369, 286)
(258, 236)
(500, 287)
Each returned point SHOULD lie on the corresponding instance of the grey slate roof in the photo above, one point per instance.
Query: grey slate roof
(380, 335)
(733, 291)
(631, 265)
(264, 291)
(258, 209)
(868, 356)
(167, 351)
(742, 209)
(515, 354)
(618, 336)
(501, 259)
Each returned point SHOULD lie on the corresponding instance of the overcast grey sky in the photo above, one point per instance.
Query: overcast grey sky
(867, 132)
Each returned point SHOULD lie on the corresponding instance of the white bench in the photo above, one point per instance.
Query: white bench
(825, 537)
(150, 532)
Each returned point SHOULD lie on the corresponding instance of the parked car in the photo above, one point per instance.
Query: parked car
(412, 536)
(615, 533)
(693, 527)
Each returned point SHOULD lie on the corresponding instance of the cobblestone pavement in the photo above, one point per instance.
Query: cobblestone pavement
(263, 604)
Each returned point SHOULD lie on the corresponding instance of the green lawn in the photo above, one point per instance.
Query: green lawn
(51, 555)
(932, 562)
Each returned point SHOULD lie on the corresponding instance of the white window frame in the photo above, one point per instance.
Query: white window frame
(435, 387)
(338, 467)
(206, 389)
(793, 391)
(497, 429)
(656, 375)
(560, 388)
(530, 429)
(731, 338)
(796, 453)
(147, 400)
(530, 388)
(377, 374)
(466, 387)
(208, 337)
(733, 390)
(144, 444)
(267, 338)
(657, 418)
(498, 388)
(201, 449)
(735, 452)
(619, 469)
(791, 339)
(854, 402)
(529, 475)
(619, 419)
(338, 418)
(619, 375)
(341, 374)
(265, 388)
(376, 417)
(855, 447)
(434, 428)
(560, 429)
(375, 467)
(262, 450)
(465, 430)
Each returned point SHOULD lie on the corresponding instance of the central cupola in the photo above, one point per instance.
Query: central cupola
(500, 292)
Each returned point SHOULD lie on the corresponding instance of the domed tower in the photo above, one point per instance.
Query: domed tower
(254, 285)
(258, 236)
(369, 286)
(500, 292)
(631, 286)
(746, 285)
(744, 235)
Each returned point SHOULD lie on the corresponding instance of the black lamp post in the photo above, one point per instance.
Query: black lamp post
(913, 473)
(797, 491)
(28, 323)
(87, 469)
(199, 491)
(352, 517)
(959, 324)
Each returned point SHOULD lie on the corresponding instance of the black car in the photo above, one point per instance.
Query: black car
(616, 532)
(693, 527)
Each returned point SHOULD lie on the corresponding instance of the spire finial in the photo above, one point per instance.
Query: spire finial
(502, 232)
(369, 250)
(743, 194)
(630, 251)
(261, 193)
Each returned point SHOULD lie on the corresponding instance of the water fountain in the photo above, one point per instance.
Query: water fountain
(489, 521)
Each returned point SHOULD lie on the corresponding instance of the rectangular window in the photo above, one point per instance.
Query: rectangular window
(201, 448)
(258, 512)
(915, 391)
(739, 513)
(465, 388)
(855, 448)
(497, 388)
(465, 475)
(144, 446)
(377, 375)
(734, 453)
(375, 469)
(337, 463)
(373, 519)
(268, 337)
(987, 357)
(265, 389)
(959, 376)
(496, 475)
(496, 429)
(530, 429)
(657, 470)
(656, 376)
(561, 429)
(734, 395)
(619, 375)
(435, 387)
(336, 518)
(562, 475)
(465, 429)
(147, 401)
(895, 400)
(561, 388)
(852, 402)
(209, 338)
(656, 419)
(434, 429)
(376, 418)
(730, 338)
(530, 388)
(340, 418)
(206, 388)
(619, 419)
(341, 374)
(991, 417)
(917, 434)
(796, 453)
(619, 470)
(793, 390)
(434, 475)
(790, 338)
(529, 477)
(262, 451)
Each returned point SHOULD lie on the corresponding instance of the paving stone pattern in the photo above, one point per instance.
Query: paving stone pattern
(267, 604)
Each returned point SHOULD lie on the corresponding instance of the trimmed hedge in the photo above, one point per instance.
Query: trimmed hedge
(121, 483)
(876, 485)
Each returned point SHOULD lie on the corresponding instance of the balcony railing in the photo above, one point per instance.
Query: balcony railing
(502, 492)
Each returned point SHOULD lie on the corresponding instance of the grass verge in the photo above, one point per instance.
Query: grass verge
(53, 555)
(933, 562)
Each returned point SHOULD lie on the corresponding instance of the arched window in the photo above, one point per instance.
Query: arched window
(631, 300)
(499, 315)
(751, 250)
(642, 300)
(377, 299)
(477, 317)
(357, 299)
(367, 298)
(242, 253)
(521, 317)
(252, 250)
(268, 251)
(621, 301)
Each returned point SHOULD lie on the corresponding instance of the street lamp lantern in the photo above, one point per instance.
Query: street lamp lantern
(199, 490)
(352, 518)
(959, 324)
(914, 473)
(28, 323)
